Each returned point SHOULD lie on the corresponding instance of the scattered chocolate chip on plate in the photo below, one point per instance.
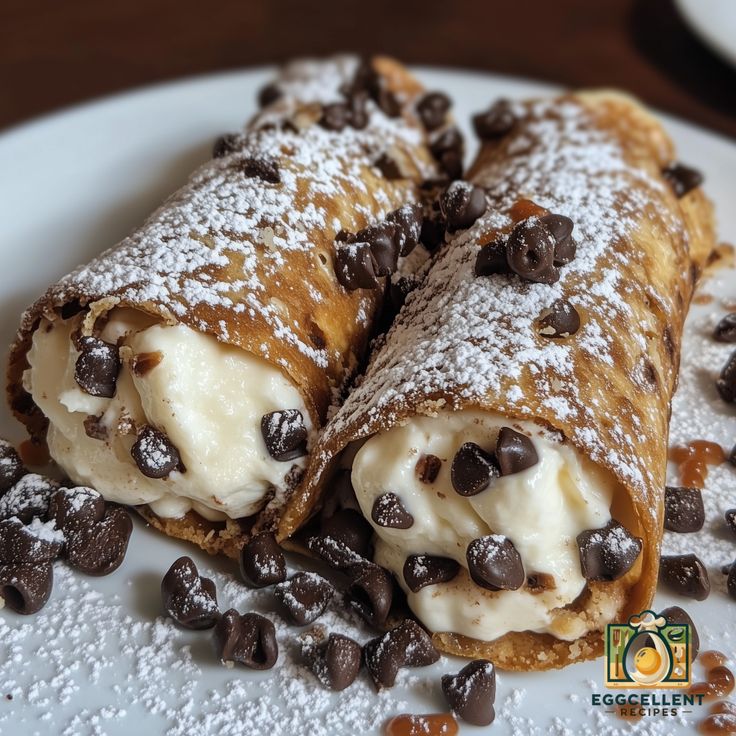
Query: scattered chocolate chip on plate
(686, 575)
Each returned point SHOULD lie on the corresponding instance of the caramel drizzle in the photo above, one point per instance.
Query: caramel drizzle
(693, 460)
(722, 719)
(433, 724)
(719, 679)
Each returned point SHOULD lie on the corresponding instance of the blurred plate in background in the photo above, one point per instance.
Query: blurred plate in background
(714, 21)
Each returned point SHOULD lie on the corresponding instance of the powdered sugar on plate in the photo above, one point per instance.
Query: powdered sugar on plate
(115, 663)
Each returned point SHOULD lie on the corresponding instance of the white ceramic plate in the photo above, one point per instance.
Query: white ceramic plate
(715, 22)
(97, 660)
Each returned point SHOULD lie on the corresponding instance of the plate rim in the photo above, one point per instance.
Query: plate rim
(128, 95)
(693, 16)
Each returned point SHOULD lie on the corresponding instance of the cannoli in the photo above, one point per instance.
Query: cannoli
(187, 370)
(507, 443)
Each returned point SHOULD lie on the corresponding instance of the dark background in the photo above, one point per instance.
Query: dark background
(58, 52)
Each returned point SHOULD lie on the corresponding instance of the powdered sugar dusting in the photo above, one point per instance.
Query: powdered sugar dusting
(222, 242)
(31, 492)
(463, 338)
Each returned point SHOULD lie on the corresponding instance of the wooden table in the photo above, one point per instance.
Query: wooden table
(58, 53)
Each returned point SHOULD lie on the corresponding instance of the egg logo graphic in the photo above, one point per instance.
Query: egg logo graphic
(648, 651)
(647, 661)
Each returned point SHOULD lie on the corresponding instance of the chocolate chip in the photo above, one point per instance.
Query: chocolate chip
(154, 453)
(189, 598)
(350, 528)
(730, 516)
(388, 103)
(447, 148)
(682, 178)
(408, 221)
(461, 205)
(726, 383)
(21, 544)
(495, 122)
(725, 330)
(285, 434)
(26, 588)
(685, 574)
(335, 116)
(514, 452)
(388, 511)
(432, 109)
(433, 233)
(336, 662)
(355, 266)
(304, 596)
(99, 549)
(494, 563)
(473, 469)
(28, 498)
(262, 561)
(561, 228)
(492, 259)
(11, 466)
(248, 639)
(677, 615)
(683, 509)
(560, 320)
(472, 691)
(607, 553)
(384, 246)
(268, 94)
(428, 468)
(71, 508)
(423, 570)
(260, 168)
(530, 252)
(357, 105)
(370, 592)
(731, 580)
(97, 367)
(406, 645)
(388, 167)
(368, 80)
(226, 144)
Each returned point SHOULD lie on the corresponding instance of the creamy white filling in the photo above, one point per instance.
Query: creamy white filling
(208, 398)
(541, 510)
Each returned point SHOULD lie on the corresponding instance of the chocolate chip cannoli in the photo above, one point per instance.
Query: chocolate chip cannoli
(186, 370)
(507, 443)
